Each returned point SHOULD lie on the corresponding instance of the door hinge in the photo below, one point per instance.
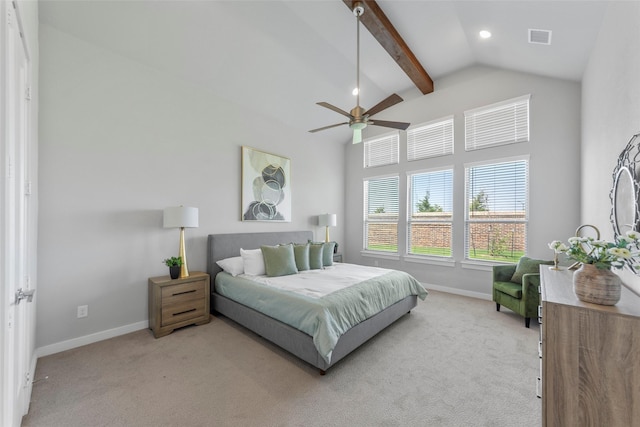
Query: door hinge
(27, 93)
(27, 188)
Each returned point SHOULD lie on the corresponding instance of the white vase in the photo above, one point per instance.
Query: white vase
(598, 286)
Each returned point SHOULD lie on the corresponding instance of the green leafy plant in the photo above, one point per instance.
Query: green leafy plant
(173, 261)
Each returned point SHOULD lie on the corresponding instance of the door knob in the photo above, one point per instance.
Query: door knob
(20, 295)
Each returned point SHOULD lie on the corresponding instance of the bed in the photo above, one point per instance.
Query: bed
(299, 343)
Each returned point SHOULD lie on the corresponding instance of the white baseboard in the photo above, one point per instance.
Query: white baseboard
(89, 339)
(110, 333)
(456, 291)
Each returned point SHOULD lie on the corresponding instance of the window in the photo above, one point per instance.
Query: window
(430, 139)
(497, 210)
(501, 123)
(430, 210)
(381, 213)
(381, 151)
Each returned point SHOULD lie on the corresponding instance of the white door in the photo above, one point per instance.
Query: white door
(15, 221)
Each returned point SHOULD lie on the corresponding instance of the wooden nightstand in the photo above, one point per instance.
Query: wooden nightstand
(177, 303)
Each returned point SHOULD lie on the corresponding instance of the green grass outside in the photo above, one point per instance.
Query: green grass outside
(478, 254)
(483, 255)
(426, 250)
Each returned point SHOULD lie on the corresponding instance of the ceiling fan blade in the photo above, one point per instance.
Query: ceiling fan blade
(329, 127)
(334, 108)
(387, 124)
(389, 101)
(357, 136)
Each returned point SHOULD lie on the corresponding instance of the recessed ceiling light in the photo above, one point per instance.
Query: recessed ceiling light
(354, 91)
(484, 34)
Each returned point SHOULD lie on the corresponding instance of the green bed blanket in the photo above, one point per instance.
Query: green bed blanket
(328, 317)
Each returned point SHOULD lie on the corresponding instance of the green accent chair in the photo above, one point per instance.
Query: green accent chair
(516, 286)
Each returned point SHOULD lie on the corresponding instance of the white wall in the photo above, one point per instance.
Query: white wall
(119, 142)
(611, 112)
(553, 169)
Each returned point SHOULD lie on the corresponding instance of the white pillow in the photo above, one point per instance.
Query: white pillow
(233, 265)
(253, 262)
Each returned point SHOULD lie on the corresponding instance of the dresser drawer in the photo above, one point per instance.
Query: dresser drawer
(185, 310)
(183, 292)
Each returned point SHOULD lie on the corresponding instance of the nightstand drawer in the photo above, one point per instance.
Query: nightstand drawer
(183, 292)
(185, 310)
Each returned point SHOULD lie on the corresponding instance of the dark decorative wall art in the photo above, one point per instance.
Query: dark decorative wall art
(266, 186)
(625, 196)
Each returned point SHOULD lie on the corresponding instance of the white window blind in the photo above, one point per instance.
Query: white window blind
(429, 224)
(501, 123)
(497, 210)
(381, 213)
(430, 139)
(381, 151)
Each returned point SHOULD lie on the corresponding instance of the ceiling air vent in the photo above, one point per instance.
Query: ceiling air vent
(540, 36)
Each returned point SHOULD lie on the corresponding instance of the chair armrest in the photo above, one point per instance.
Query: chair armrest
(503, 273)
(530, 285)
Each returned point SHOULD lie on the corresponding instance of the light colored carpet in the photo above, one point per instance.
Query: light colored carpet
(454, 361)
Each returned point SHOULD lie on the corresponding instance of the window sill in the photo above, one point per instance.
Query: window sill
(441, 261)
(480, 265)
(385, 255)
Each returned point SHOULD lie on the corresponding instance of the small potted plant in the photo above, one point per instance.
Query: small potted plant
(174, 264)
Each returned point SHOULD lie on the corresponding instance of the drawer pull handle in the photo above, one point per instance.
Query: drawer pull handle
(183, 312)
(182, 293)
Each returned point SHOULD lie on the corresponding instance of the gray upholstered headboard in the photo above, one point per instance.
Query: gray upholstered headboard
(221, 246)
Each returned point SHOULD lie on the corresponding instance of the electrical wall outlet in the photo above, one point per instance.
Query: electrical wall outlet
(83, 311)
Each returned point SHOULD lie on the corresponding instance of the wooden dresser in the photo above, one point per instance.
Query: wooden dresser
(590, 357)
(177, 303)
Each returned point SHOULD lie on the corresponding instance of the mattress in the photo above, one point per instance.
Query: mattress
(322, 303)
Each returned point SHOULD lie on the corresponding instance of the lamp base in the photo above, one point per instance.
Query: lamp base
(184, 271)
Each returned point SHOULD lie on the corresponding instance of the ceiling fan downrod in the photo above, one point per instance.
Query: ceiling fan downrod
(358, 10)
(358, 122)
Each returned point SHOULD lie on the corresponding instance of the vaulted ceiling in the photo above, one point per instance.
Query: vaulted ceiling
(281, 57)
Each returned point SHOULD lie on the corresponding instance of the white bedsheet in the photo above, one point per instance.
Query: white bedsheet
(318, 283)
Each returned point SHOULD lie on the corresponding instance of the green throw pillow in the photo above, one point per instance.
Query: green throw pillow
(279, 260)
(315, 255)
(301, 253)
(527, 265)
(327, 253)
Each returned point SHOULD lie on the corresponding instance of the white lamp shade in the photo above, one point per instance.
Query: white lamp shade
(180, 216)
(327, 220)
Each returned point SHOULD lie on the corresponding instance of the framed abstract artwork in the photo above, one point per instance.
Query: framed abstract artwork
(266, 186)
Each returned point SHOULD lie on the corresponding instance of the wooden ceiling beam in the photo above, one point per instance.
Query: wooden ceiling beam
(382, 30)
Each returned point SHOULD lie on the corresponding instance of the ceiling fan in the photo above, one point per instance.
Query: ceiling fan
(359, 118)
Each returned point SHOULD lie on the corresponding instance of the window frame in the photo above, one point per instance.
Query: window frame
(498, 120)
(468, 221)
(366, 221)
(410, 222)
(444, 144)
(393, 150)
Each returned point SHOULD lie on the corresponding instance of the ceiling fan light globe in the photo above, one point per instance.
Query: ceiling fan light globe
(358, 125)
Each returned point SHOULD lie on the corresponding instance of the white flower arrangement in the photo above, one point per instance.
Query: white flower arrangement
(600, 253)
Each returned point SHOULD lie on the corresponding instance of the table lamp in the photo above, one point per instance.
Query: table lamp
(181, 217)
(327, 220)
